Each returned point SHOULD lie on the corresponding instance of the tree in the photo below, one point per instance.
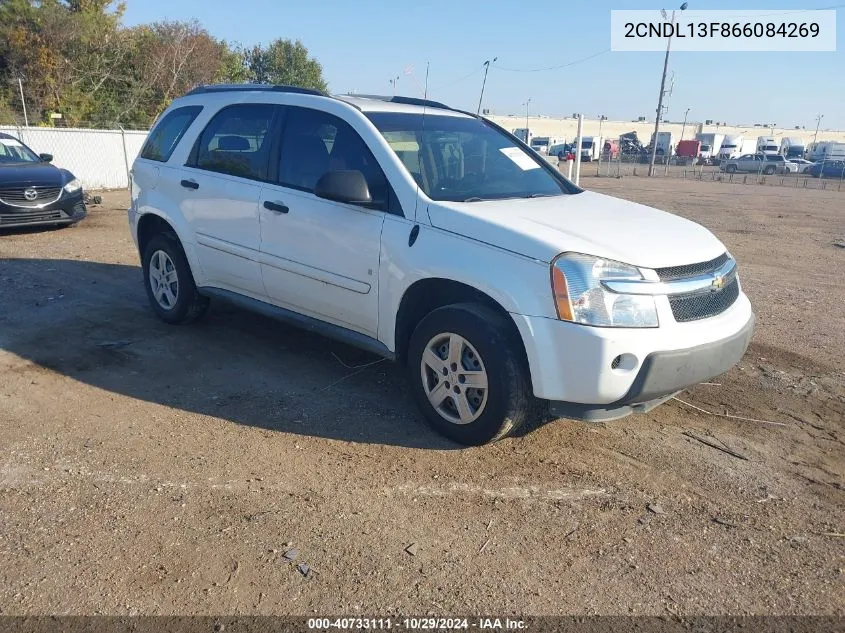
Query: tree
(285, 62)
(76, 58)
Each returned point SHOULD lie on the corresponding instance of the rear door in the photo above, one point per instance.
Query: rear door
(223, 180)
(748, 162)
(320, 257)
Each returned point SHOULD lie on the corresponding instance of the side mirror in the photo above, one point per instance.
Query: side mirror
(46, 158)
(347, 185)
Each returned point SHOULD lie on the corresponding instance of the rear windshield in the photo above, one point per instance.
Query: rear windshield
(465, 159)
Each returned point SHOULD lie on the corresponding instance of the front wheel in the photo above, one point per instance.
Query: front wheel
(169, 282)
(769, 171)
(468, 375)
(731, 169)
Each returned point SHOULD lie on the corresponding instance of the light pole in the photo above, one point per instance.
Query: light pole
(23, 102)
(393, 83)
(818, 122)
(483, 83)
(662, 90)
(684, 126)
(527, 105)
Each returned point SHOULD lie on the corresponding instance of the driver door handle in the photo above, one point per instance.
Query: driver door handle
(276, 207)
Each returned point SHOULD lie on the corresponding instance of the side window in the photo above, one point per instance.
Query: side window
(168, 132)
(315, 142)
(235, 141)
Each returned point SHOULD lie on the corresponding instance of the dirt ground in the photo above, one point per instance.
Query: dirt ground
(151, 469)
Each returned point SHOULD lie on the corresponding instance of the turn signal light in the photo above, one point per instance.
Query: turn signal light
(561, 293)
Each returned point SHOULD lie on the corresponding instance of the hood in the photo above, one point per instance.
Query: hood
(587, 222)
(43, 174)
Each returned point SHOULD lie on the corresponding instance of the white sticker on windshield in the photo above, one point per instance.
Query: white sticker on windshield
(10, 142)
(522, 160)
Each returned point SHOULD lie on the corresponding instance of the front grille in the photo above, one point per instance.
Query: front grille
(10, 217)
(691, 270)
(701, 305)
(16, 196)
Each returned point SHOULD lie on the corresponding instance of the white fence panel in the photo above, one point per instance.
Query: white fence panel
(96, 157)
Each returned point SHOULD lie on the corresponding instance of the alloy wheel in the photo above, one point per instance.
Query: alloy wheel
(164, 281)
(454, 378)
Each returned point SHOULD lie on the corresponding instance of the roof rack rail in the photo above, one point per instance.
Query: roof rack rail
(252, 87)
(406, 100)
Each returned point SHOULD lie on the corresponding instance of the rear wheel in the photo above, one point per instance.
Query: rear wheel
(769, 170)
(731, 169)
(169, 282)
(467, 374)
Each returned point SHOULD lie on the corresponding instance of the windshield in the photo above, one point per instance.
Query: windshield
(13, 151)
(724, 146)
(770, 148)
(541, 140)
(465, 159)
(586, 143)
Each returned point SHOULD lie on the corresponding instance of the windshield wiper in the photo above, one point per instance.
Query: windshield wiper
(474, 199)
(539, 195)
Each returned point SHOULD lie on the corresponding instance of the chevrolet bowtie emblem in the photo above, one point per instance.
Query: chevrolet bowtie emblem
(717, 284)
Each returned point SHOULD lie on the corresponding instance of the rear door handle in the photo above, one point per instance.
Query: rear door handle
(277, 207)
(190, 184)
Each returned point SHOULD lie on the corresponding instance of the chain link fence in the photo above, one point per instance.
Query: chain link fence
(619, 165)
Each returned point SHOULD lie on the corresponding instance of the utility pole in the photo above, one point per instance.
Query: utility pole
(684, 126)
(599, 141)
(662, 91)
(527, 105)
(483, 83)
(578, 147)
(818, 122)
(23, 102)
(393, 83)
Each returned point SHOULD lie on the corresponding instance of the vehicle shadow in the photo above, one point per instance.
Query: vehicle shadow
(91, 322)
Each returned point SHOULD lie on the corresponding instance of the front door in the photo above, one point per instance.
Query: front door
(321, 258)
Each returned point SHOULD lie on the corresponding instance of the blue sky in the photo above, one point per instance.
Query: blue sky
(363, 44)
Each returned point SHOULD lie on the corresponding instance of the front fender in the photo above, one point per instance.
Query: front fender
(517, 283)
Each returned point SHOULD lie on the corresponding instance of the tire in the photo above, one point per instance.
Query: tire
(181, 303)
(731, 169)
(489, 355)
(769, 170)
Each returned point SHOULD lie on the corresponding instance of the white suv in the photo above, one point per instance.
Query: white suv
(433, 237)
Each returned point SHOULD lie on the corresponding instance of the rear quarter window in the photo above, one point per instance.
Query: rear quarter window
(167, 133)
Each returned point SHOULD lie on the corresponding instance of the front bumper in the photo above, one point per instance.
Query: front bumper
(664, 374)
(575, 364)
(68, 209)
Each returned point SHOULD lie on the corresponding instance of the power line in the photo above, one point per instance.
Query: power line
(789, 12)
(452, 83)
(537, 70)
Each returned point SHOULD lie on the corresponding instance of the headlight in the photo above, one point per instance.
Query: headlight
(580, 297)
(73, 186)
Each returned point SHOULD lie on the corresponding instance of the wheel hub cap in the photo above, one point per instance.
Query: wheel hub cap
(164, 281)
(454, 378)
